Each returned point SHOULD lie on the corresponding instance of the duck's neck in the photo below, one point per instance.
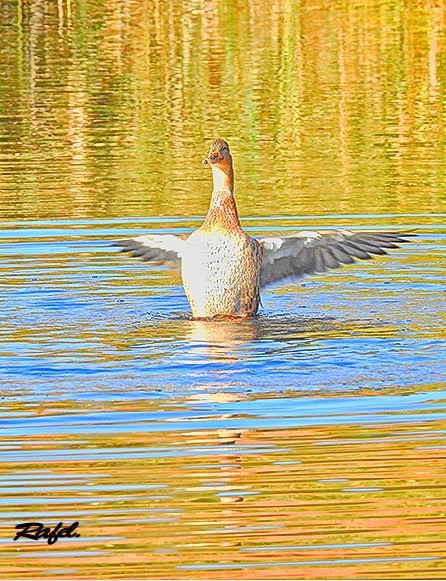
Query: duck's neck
(223, 179)
(222, 209)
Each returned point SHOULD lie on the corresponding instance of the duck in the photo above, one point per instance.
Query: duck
(224, 269)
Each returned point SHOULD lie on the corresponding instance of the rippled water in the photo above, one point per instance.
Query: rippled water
(309, 439)
(306, 443)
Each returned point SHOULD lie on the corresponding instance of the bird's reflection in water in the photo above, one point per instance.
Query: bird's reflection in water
(230, 340)
(232, 466)
(220, 339)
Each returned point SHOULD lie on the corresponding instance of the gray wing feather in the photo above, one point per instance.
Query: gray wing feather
(308, 252)
(158, 248)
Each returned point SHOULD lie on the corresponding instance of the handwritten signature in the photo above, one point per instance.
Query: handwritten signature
(37, 530)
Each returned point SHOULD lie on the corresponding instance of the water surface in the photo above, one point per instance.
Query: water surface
(306, 443)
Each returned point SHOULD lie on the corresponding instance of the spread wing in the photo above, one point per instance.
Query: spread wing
(158, 248)
(308, 252)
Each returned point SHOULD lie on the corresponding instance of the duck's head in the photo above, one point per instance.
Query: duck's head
(219, 155)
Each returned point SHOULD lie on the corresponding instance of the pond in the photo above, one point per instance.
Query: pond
(308, 442)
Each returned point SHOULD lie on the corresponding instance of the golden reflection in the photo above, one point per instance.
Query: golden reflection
(164, 499)
(333, 107)
(220, 336)
(232, 491)
(326, 105)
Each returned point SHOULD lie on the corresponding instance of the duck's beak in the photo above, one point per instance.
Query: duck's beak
(212, 158)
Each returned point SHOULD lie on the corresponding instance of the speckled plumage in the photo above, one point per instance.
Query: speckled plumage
(221, 264)
(221, 272)
(223, 268)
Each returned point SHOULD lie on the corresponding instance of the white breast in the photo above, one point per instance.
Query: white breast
(220, 274)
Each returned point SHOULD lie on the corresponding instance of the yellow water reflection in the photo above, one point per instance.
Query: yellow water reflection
(352, 501)
(330, 107)
(183, 447)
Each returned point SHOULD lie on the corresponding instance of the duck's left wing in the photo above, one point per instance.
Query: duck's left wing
(308, 252)
(165, 248)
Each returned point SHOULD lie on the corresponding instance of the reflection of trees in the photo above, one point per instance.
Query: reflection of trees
(119, 96)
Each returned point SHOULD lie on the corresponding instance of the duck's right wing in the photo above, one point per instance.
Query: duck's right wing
(308, 252)
(164, 248)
